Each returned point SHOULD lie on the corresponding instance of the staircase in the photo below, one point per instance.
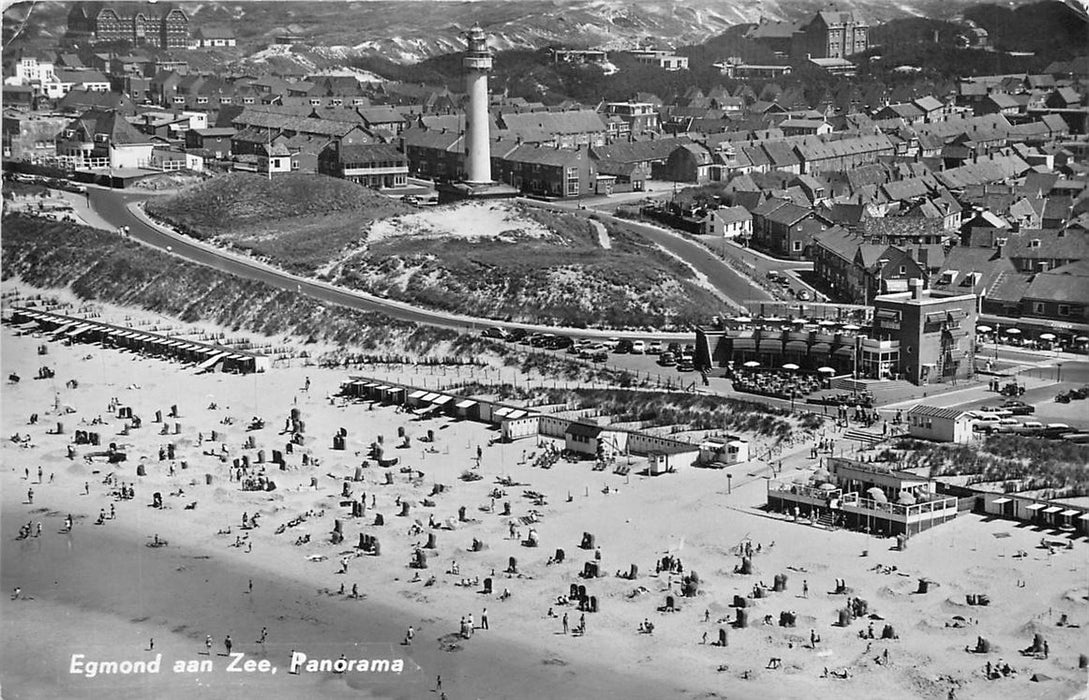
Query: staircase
(867, 438)
(825, 519)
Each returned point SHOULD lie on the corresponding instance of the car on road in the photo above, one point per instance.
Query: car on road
(667, 359)
(654, 347)
(638, 347)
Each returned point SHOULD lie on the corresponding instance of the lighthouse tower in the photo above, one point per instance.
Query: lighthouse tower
(477, 63)
(478, 183)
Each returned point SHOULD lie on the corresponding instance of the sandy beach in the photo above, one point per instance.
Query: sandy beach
(101, 591)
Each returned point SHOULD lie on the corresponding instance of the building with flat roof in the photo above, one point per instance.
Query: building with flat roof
(868, 496)
(939, 423)
(934, 333)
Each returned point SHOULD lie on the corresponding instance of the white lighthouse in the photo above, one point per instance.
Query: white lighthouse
(477, 63)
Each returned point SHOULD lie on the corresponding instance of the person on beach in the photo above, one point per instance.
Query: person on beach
(38, 533)
(409, 635)
(30, 496)
(208, 645)
(16, 592)
(484, 619)
(39, 475)
(264, 635)
(228, 644)
(565, 629)
(86, 488)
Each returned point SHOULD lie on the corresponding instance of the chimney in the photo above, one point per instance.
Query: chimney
(916, 286)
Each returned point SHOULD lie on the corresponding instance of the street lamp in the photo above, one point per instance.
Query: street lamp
(1058, 372)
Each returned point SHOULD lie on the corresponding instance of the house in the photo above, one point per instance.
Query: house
(79, 101)
(570, 129)
(939, 424)
(213, 142)
(375, 165)
(689, 162)
(214, 37)
(666, 60)
(805, 127)
(778, 36)
(591, 440)
(909, 112)
(1045, 249)
(1061, 294)
(30, 135)
(170, 158)
(784, 228)
(998, 103)
(551, 172)
(103, 139)
(728, 222)
(63, 81)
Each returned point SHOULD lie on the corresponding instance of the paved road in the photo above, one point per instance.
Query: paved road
(728, 281)
(112, 207)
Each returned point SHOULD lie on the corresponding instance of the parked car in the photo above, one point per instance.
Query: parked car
(611, 344)
(638, 347)
(995, 411)
(600, 356)
(494, 332)
(654, 347)
(1030, 427)
(515, 335)
(804, 295)
(1054, 430)
(685, 366)
(674, 348)
(623, 347)
(561, 342)
(667, 359)
(1019, 408)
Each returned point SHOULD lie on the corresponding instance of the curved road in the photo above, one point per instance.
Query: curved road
(113, 208)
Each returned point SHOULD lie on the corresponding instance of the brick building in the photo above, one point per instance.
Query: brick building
(161, 25)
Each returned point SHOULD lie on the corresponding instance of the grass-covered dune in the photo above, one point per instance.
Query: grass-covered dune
(297, 221)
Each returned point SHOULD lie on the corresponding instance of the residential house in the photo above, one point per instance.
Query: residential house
(103, 139)
(831, 34)
(728, 222)
(547, 171)
(1045, 249)
(375, 165)
(1061, 294)
(214, 142)
(30, 135)
(214, 37)
(666, 60)
(785, 229)
(689, 162)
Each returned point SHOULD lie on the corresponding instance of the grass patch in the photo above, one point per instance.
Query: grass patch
(296, 221)
(1021, 463)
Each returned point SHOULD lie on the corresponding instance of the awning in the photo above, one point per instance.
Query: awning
(844, 351)
(1001, 501)
(1036, 506)
(467, 403)
(502, 412)
(1069, 513)
(797, 346)
(441, 400)
(744, 344)
(75, 330)
(820, 348)
(515, 414)
(428, 398)
(211, 361)
(1084, 516)
(418, 394)
(1052, 509)
(63, 329)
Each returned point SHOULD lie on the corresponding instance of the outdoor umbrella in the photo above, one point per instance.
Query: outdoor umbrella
(984, 329)
(775, 319)
(799, 321)
(743, 319)
(1082, 339)
(826, 370)
(851, 327)
(826, 323)
(751, 363)
(827, 487)
(877, 495)
(791, 366)
(1013, 331)
(1047, 336)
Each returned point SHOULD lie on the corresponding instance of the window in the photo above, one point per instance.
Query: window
(903, 269)
(1064, 309)
(1037, 307)
(797, 246)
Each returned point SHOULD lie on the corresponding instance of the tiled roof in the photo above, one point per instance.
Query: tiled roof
(936, 412)
(583, 121)
(1066, 284)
